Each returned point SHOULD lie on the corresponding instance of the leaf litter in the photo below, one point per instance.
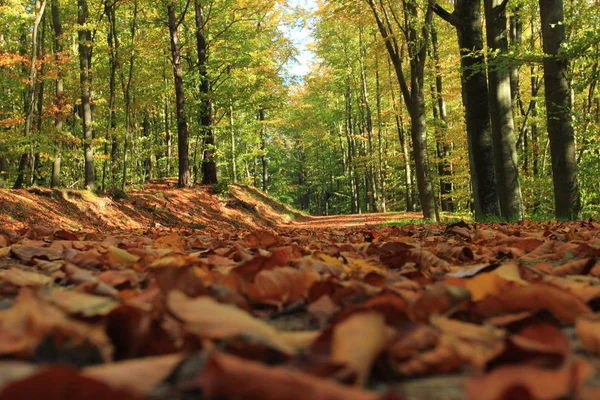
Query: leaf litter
(478, 311)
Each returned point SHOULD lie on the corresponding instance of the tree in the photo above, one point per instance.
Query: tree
(85, 79)
(414, 97)
(182, 128)
(506, 165)
(209, 165)
(558, 111)
(466, 18)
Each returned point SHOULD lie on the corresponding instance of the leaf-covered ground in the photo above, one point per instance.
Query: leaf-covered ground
(243, 303)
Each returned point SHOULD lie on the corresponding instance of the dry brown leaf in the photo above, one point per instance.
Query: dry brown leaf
(575, 267)
(473, 343)
(207, 318)
(280, 286)
(358, 340)
(21, 278)
(62, 383)
(563, 305)
(171, 242)
(138, 376)
(261, 239)
(588, 331)
(26, 253)
(543, 384)
(29, 321)
(72, 302)
(254, 381)
(495, 282)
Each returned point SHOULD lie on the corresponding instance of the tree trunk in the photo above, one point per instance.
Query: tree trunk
(466, 18)
(209, 165)
(443, 146)
(30, 99)
(263, 150)
(414, 96)
(109, 10)
(558, 111)
(410, 207)
(182, 129)
(503, 134)
(85, 79)
(233, 143)
(371, 177)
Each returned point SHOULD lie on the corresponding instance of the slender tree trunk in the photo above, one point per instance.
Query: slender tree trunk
(182, 129)
(443, 146)
(505, 152)
(85, 79)
(209, 165)
(381, 166)
(558, 111)
(126, 82)
(233, 143)
(167, 118)
(372, 177)
(30, 100)
(109, 10)
(414, 95)
(398, 118)
(263, 150)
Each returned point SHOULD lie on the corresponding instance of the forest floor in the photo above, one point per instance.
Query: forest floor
(177, 294)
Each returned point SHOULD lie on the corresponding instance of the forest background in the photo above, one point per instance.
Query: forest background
(410, 105)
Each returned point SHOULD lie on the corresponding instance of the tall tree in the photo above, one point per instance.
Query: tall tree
(558, 111)
(414, 96)
(185, 179)
(209, 165)
(506, 164)
(85, 81)
(31, 95)
(60, 96)
(466, 18)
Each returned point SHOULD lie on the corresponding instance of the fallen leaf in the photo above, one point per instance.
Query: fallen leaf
(72, 302)
(29, 321)
(254, 381)
(27, 253)
(207, 318)
(261, 239)
(358, 340)
(21, 278)
(62, 383)
(563, 305)
(281, 286)
(543, 384)
(171, 242)
(137, 376)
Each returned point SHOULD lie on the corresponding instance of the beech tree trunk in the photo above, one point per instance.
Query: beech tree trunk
(209, 165)
(466, 18)
(413, 92)
(185, 179)
(506, 164)
(85, 80)
(30, 99)
(558, 111)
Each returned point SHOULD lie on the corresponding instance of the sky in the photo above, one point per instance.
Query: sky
(301, 38)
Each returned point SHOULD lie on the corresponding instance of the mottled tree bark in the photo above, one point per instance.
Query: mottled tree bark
(506, 165)
(558, 111)
(182, 129)
(85, 80)
(466, 18)
(209, 165)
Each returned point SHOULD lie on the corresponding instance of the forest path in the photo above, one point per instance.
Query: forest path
(355, 220)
